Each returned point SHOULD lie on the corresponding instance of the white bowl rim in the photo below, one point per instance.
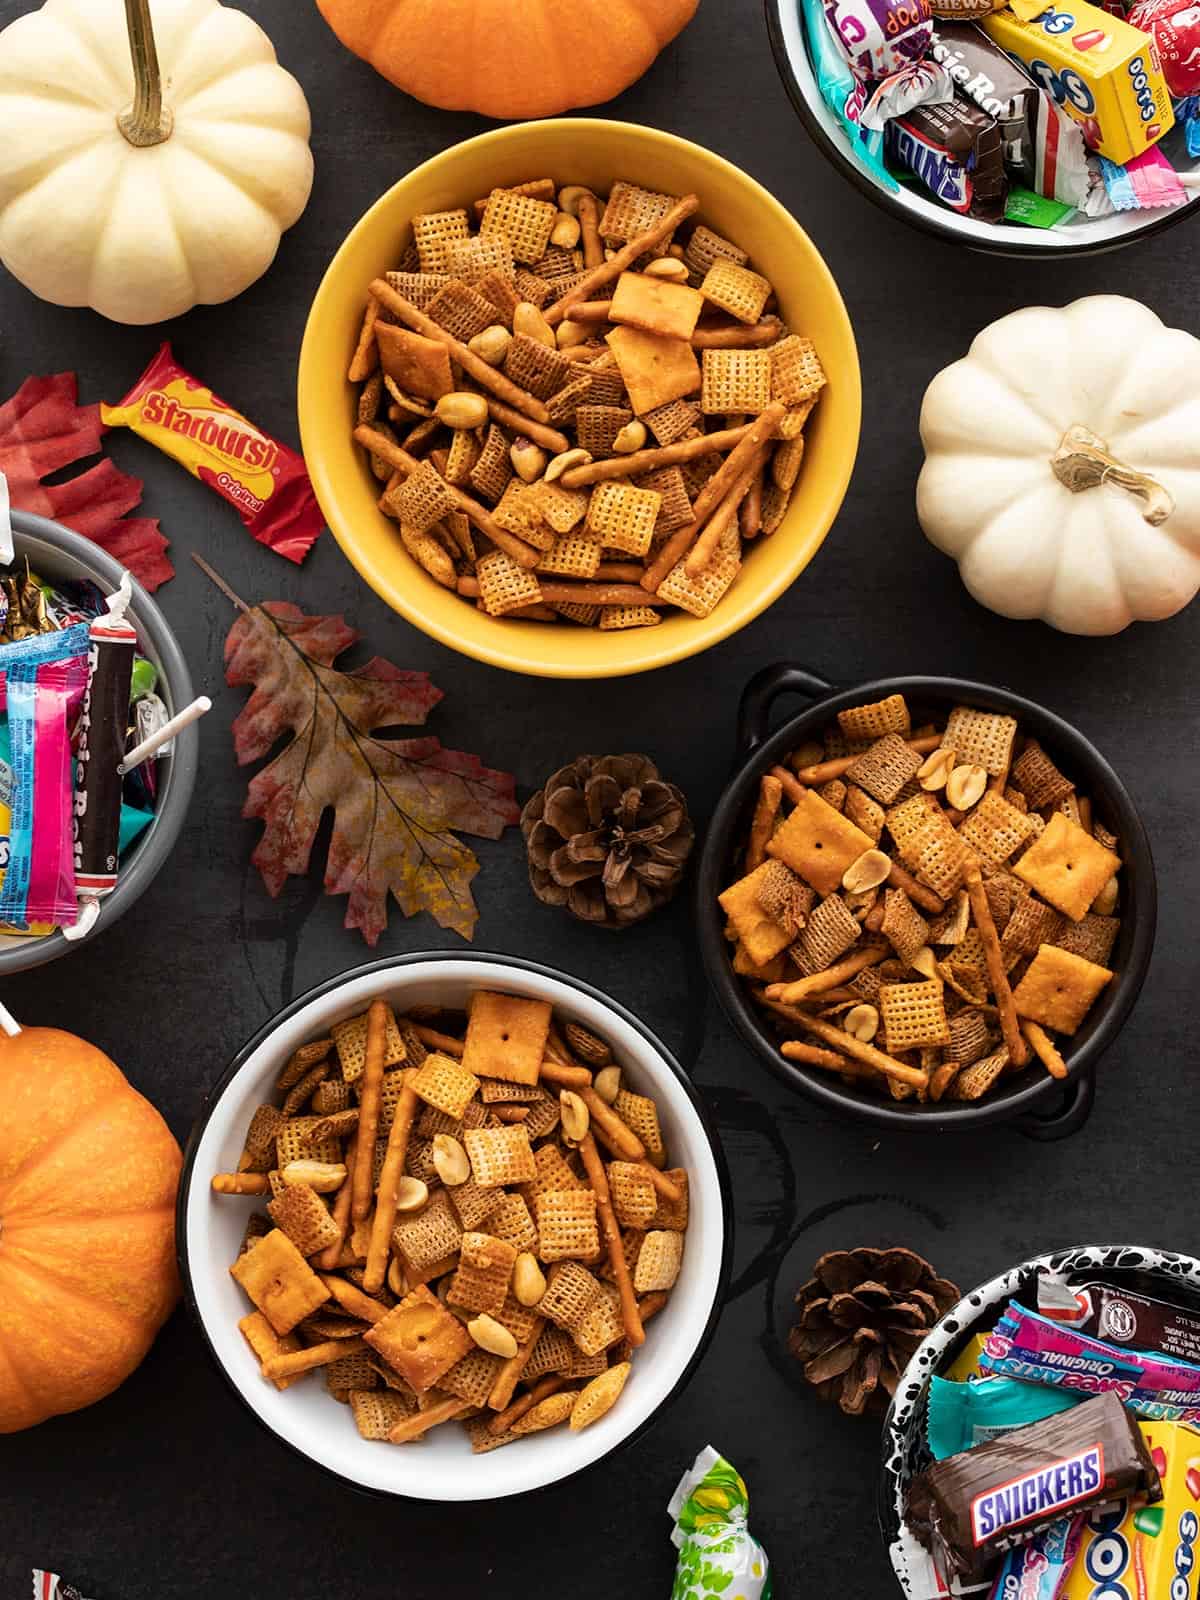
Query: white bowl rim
(471, 967)
(922, 210)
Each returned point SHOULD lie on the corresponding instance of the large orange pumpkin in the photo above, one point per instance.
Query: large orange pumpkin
(509, 58)
(88, 1174)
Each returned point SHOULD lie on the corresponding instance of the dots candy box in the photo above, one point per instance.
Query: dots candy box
(1102, 72)
(1146, 1552)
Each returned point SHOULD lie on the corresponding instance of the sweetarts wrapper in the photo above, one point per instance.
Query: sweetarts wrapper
(265, 482)
(1026, 1345)
(1147, 183)
(880, 37)
(1039, 1570)
(718, 1559)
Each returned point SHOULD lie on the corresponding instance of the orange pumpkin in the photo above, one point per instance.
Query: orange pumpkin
(509, 58)
(88, 1174)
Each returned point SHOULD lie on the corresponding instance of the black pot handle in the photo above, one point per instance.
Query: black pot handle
(761, 693)
(1071, 1115)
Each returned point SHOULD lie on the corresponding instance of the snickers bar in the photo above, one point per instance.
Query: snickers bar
(972, 1507)
(957, 152)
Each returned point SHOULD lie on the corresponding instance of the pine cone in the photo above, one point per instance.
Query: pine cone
(607, 839)
(861, 1319)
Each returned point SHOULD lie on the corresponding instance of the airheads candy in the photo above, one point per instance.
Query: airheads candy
(1135, 1551)
(266, 482)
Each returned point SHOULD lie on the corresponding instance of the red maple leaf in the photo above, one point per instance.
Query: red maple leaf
(398, 804)
(42, 430)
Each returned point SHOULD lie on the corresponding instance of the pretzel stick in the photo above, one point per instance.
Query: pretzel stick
(1044, 1047)
(594, 1168)
(368, 1109)
(619, 572)
(591, 594)
(1018, 1050)
(293, 1362)
(589, 231)
(486, 377)
(394, 1158)
(607, 1121)
(446, 1043)
(725, 516)
(812, 1055)
(866, 1053)
(736, 335)
(820, 982)
(241, 1183)
(616, 1147)
(917, 892)
(667, 455)
(510, 1373)
(352, 1300)
(567, 1077)
(533, 189)
(751, 514)
(330, 1258)
(366, 353)
(812, 777)
(727, 474)
(550, 438)
(608, 271)
(510, 1113)
(591, 311)
(421, 1421)
(542, 1390)
(651, 1304)
(873, 921)
(379, 443)
(770, 794)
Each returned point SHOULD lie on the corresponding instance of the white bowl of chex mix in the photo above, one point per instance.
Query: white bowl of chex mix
(526, 1268)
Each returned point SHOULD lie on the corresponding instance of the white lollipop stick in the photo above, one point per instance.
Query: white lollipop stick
(181, 719)
(9, 1023)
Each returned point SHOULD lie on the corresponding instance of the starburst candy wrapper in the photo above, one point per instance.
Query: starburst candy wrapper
(718, 1560)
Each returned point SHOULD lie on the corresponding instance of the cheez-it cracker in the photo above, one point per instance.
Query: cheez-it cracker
(506, 1037)
(818, 842)
(1059, 989)
(1067, 866)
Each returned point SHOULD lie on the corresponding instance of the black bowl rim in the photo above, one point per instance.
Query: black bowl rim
(387, 964)
(930, 224)
(904, 1115)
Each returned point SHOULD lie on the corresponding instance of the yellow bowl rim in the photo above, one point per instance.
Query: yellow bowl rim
(735, 611)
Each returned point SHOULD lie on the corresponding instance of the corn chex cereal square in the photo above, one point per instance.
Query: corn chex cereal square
(640, 1115)
(623, 517)
(796, 372)
(570, 1292)
(632, 211)
(735, 289)
(305, 1218)
(429, 1235)
(525, 223)
(484, 1268)
(434, 233)
(913, 1015)
(874, 720)
(699, 595)
(735, 382)
(566, 1224)
(444, 1083)
(500, 1155)
(601, 1324)
(981, 738)
(350, 1039)
(504, 585)
(659, 1262)
(994, 829)
(634, 1197)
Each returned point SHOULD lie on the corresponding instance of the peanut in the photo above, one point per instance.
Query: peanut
(608, 1084)
(631, 437)
(411, 1194)
(528, 459)
(861, 1022)
(326, 1177)
(578, 457)
(528, 1279)
(965, 786)
(492, 1336)
(565, 232)
(668, 267)
(571, 334)
(868, 872)
(1105, 902)
(527, 319)
(491, 345)
(574, 1114)
(569, 198)
(450, 1160)
(462, 410)
(936, 768)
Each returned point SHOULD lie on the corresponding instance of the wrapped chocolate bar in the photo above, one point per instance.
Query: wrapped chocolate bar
(972, 1507)
(717, 1556)
(1124, 1315)
(957, 153)
(996, 84)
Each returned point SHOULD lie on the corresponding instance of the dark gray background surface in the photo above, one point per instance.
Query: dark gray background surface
(168, 1488)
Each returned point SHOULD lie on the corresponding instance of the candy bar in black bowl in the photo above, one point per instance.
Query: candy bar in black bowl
(926, 903)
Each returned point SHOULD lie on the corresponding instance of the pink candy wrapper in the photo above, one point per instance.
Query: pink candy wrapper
(1147, 183)
(49, 1586)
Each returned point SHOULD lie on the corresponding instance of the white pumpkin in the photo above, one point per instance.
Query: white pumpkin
(193, 210)
(1062, 465)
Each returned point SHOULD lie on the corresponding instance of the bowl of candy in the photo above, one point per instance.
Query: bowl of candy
(926, 903)
(470, 1202)
(1025, 130)
(89, 673)
(579, 398)
(1045, 1437)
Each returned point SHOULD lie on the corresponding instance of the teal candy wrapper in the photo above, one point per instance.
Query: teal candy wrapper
(718, 1559)
(963, 1415)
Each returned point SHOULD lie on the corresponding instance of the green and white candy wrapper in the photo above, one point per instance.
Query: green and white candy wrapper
(718, 1560)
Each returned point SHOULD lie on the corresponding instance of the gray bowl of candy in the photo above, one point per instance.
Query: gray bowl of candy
(71, 580)
(1086, 1360)
(1058, 130)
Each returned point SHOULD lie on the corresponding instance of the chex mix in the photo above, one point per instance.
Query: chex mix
(923, 911)
(462, 1222)
(582, 409)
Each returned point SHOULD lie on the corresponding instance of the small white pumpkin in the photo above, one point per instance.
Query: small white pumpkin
(1062, 465)
(137, 201)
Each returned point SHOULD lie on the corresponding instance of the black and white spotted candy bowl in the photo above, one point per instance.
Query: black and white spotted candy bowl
(905, 1453)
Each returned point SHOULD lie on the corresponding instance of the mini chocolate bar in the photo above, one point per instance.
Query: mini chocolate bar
(970, 1508)
(1126, 1313)
(996, 84)
(957, 152)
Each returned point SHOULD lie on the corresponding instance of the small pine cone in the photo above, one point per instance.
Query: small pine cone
(861, 1317)
(607, 839)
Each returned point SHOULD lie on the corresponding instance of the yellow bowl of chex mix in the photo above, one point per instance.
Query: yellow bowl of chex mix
(579, 398)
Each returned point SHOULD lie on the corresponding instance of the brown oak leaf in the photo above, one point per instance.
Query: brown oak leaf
(397, 803)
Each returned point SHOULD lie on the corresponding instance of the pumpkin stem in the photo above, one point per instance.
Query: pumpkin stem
(147, 121)
(1084, 461)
